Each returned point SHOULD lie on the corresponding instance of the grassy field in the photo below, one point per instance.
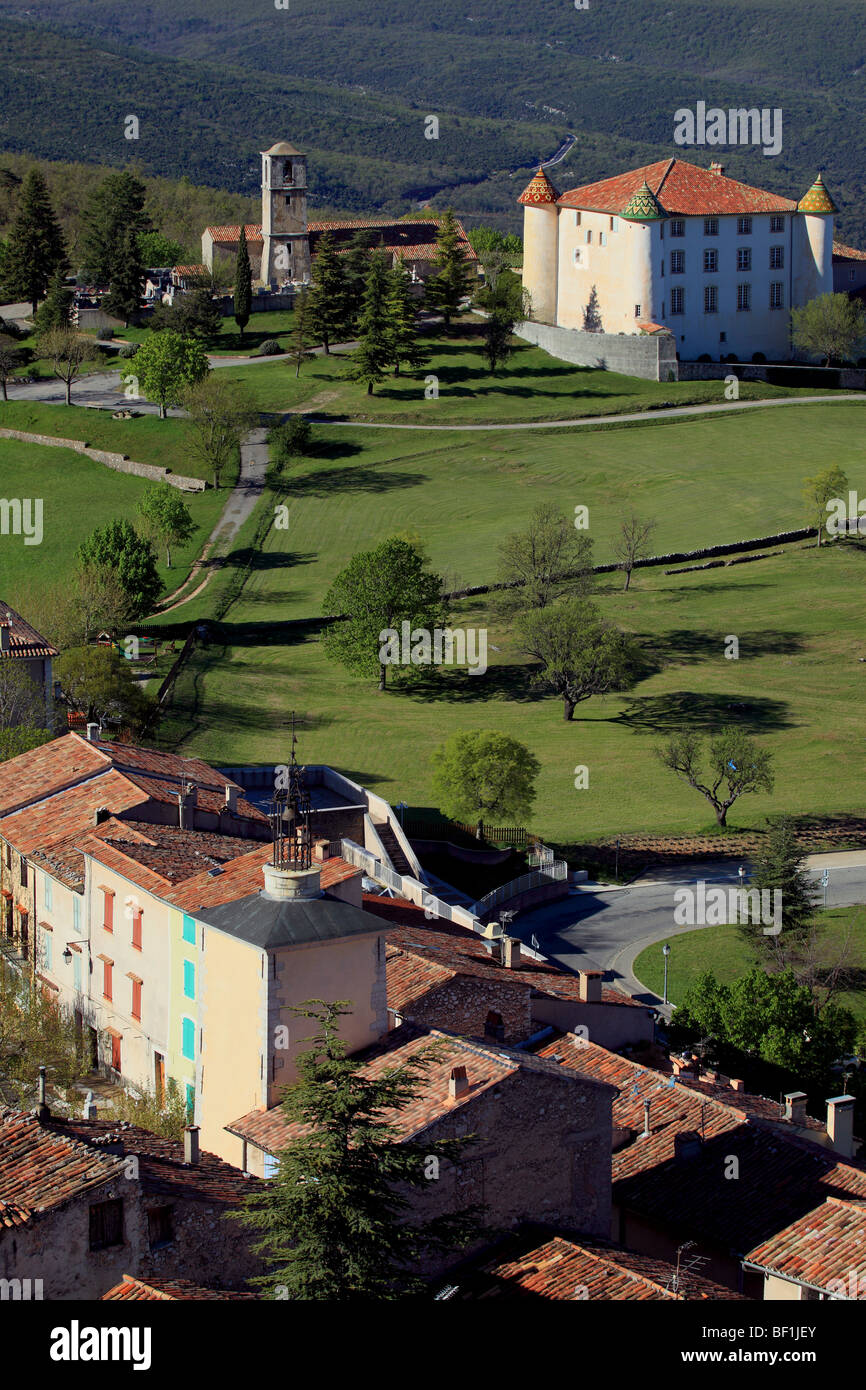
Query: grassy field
(78, 495)
(261, 327)
(532, 385)
(723, 951)
(798, 616)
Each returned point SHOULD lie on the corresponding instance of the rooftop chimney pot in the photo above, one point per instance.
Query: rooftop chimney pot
(840, 1124)
(458, 1083)
(93, 733)
(191, 1146)
(795, 1107)
(737, 1084)
(510, 952)
(231, 798)
(590, 986)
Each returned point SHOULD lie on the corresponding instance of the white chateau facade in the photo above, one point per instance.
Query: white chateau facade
(678, 248)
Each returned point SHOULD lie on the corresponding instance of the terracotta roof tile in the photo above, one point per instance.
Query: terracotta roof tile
(132, 1290)
(826, 1244)
(25, 641)
(847, 253)
(243, 876)
(683, 189)
(231, 234)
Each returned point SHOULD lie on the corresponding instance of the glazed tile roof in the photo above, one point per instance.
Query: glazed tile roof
(643, 206)
(847, 253)
(563, 1268)
(132, 1290)
(683, 189)
(826, 1244)
(782, 1175)
(538, 191)
(25, 641)
(422, 954)
(817, 199)
(486, 1067)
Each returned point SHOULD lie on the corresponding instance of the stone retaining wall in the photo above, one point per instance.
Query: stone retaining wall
(651, 356)
(121, 463)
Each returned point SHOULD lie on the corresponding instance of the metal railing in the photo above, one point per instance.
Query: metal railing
(406, 886)
(556, 872)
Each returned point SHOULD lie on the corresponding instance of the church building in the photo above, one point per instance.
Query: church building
(282, 247)
(673, 247)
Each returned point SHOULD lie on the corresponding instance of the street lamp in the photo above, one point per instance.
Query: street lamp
(666, 950)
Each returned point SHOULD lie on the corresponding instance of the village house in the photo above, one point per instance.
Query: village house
(820, 1256)
(84, 1202)
(675, 248)
(19, 642)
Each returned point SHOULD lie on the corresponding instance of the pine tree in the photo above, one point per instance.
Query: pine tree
(300, 337)
(402, 308)
(336, 1220)
(373, 355)
(780, 867)
(243, 284)
(450, 284)
(115, 207)
(128, 277)
(328, 301)
(35, 249)
(355, 267)
(592, 313)
(54, 311)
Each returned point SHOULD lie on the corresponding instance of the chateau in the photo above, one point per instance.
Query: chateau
(675, 248)
(283, 245)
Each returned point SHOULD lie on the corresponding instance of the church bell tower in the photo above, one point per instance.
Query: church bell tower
(286, 250)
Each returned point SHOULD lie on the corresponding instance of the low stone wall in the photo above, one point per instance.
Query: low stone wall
(121, 463)
(652, 357)
(837, 378)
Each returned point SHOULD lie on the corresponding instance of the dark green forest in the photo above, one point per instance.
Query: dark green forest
(214, 83)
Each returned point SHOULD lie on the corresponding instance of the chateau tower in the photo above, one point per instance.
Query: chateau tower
(540, 246)
(286, 249)
(814, 251)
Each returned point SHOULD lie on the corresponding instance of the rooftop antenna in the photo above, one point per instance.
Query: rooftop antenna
(290, 817)
(675, 1282)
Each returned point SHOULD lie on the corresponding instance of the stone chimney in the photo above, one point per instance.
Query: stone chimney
(42, 1111)
(840, 1124)
(93, 733)
(736, 1084)
(288, 884)
(510, 952)
(100, 815)
(590, 986)
(646, 1119)
(716, 168)
(321, 850)
(187, 800)
(5, 635)
(231, 799)
(458, 1083)
(190, 1146)
(795, 1107)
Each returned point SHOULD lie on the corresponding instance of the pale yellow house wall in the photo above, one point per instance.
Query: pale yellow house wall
(782, 1289)
(540, 225)
(232, 1005)
(619, 266)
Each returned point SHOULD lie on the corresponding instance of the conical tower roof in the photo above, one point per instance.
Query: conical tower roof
(817, 199)
(538, 191)
(643, 206)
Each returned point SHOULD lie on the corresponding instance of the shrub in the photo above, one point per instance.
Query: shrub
(758, 357)
(106, 334)
(269, 348)
(291, 439)
(705, 357)
(129, 349)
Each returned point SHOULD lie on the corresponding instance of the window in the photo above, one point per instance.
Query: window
(48, 892)
(589, 238)
(744, 226)
(76, 971)
(106, 1224)
(711, 226)
(662, 231)
(108, 909)
(578, 260)
(189, 979)
(723, 337)
(777, 295)
(47, 951)
(76, 913)
(23, 874)
(852, 275)
(678, 227)
(190, 1101)
(188, 1039)
(614, 224)
(663, 311)
(577, 218)
(777, 224)
(136, 928)
(711, 299)
(744, 258)
(136, 997)
(663, 267)
(678, 263)
(107, 968)
(744, 298)
(494, 1027)
(711, 261)
(160, 1227)
(678, 300)
(777, 257)
(188, 929)
(602, 239)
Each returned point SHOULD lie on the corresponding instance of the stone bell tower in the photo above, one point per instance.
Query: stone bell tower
(286, 250)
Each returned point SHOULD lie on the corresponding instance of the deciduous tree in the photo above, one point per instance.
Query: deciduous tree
(484, 776)
(730, 765)
(166, 517)
(832, 326)
(166, 365)
(220, 417)
(548, 560)
(119, 547)
(632, 543)
(579, 653)
(68, 351)
(824, 487)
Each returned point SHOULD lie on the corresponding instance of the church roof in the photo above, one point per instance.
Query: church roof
(817, 199)
(538, 191)
(231, 235)
(282, 147)
(683, 189)
(643, 206)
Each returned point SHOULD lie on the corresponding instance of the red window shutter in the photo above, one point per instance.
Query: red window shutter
(108, 913)
(136, 1000)
(136, 928)
(106, 980)
(115, 1051)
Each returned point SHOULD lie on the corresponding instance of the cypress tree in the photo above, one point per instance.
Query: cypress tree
(243, 284)
(35, 249)
(329, 305)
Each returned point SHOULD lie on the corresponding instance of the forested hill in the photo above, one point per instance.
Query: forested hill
(213, 82)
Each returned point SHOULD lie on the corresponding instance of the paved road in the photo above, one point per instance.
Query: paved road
(607, 927)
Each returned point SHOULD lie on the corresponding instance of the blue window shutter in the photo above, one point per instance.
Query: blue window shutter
(189, 929)
(189, 1039)
(189, 979)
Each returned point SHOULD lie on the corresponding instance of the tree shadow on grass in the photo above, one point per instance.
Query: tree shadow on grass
(685, 709)
(327, 482)
(249, 557)
(293, 633)
(457, 686)
(677, 593)
(687, 646)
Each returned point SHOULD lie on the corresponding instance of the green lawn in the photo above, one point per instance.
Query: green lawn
(78, 495)
(723, 951)
(261, 327)
(532, 385)
(798, 682)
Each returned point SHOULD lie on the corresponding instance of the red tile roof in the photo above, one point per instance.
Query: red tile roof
(781, 1176)
(25, 641)
(48, 769)
(243, 876)
(826, 1244)
(40, 1168)
(230, 235)
(132, 1290)
(847, 253)
(683, 189)
(564, 1268)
